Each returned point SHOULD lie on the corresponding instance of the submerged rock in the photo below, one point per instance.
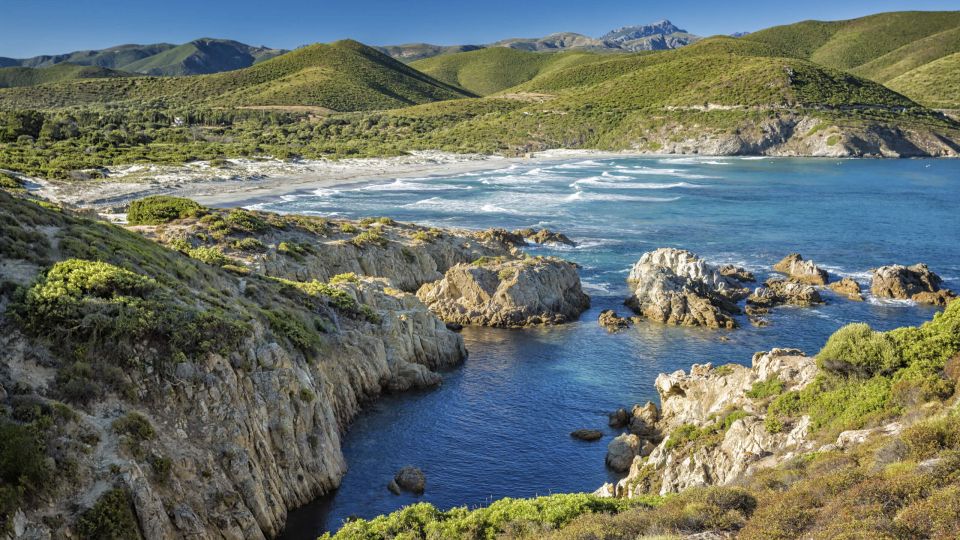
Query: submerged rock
(675, 286)
(587, 434)
(847, 287)
(409, 479)
(611, 321)
(915, 282)
(798, 269)
(508, 293)
(621, 451)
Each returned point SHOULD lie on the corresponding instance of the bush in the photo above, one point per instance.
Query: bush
(348, 228)
(371, 237)
(160, 209)
(930, 437)
(856, 349)
(23, 468)
(135, 425)
(765, 389)
(246, 221)
(348, 277)
(248, 244)
(209, 255)
(111, 518)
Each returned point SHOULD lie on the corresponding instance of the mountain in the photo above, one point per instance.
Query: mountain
(658, 36)
(341, 76)
(25, 76)
(200, 56)
(661, 35)
(881, 47)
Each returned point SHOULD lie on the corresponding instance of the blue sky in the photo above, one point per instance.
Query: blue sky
(34, 27)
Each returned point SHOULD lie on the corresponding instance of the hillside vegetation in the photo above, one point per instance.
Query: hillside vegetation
(11, 77)
(343, 76)
(938, 82)
(492, 70)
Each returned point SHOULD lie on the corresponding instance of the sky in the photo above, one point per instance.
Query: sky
(33, 27)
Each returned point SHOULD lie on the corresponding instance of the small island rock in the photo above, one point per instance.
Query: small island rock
(611, 321)
(798, 269)
(409, 479)
(587, 434)
(847, 287)
(915, 283)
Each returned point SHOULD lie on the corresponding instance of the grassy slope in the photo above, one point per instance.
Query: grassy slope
(11, 77)
(911, 56)
(343, 76)
(938, 82)
(491, 70)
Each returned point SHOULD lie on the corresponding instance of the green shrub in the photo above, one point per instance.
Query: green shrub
(24, 472)
(367, 238)
(765, 389)
(857, 349)
(246, 221)
(209, 255)
(248, 244)
(160, 209)
(348, 277)
(162, 466)
(928, 438)
(9, 182)
(111, 518)
(135, 425)
(289, 326)
(348, 228)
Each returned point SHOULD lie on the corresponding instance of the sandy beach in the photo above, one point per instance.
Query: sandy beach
(245, 181)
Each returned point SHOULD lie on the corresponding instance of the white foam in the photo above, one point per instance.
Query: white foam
(582, 196)
(326, 192)
(889, 302)
(602, 183)
(666, 172)
(403, 185)
(603, 288)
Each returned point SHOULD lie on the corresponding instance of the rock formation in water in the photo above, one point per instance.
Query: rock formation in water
(915, 283)
(522, 237)
(802, 271)
(709, 430)
(622, 450)
(508, 293)
(611, 321)
(847, 287)
(740, 274)
(587, 434)
(675, 286)
(409, 479)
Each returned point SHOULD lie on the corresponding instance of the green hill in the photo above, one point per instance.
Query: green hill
(938, 82)
(491, 70)
(342, 76)
(911, 56)
(11, 77)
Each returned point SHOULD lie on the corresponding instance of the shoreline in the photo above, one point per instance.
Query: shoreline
(246, 182)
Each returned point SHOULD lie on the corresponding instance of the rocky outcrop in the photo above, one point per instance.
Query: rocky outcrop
(802, 271)
(713, 432)
(675, 286)
(621, 451)
(778, 292)
(587, 434)
(915, 283)
(847, 287)
(409, 479)
(508, 293)
(611, 321)
(545, 236)
(735, 272)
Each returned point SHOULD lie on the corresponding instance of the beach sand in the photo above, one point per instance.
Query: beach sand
(244, 182)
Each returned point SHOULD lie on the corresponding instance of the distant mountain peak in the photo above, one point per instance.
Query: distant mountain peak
(628, 33)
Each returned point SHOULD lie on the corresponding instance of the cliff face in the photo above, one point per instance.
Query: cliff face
(712, 427)
(230, 437)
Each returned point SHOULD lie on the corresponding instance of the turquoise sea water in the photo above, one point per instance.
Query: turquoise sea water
(499, 426)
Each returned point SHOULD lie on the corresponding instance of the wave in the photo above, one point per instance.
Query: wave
(889, 302)
(462, 207)
(326, 192)
(403, 185)
(583, 196)
(693, 161)
(512, 179)
(666, 172)
(602, 183)
(579, 165)
(603, 288)
(861, 276)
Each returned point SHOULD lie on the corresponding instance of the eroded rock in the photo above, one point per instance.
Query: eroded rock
(545, 236)
(740, 274)
(675, 286)
(622, 450)
(508, 293)
(847, 287)
(778, 292)
(587, 434)
(611, 321)
(803, 271)
(409, 479)
(914, 282)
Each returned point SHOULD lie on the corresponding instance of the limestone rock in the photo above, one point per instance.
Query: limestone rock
(587, 434)
(619, 418)
(622, 450)
(778, 292)
(740, 274)
(411, 479)
(508, 293)
(643, 421)
(545, 236)
(847, 287)
(675, 286)
(915, 282)
(798, 269)
(611, 321)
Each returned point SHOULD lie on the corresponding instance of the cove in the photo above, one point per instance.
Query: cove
(499, 426)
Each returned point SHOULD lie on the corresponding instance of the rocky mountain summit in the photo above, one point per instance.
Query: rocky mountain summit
(650, 37)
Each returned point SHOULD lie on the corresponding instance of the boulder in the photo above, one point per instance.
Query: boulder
(587, 434)
(508, 293)
(740, 274)
(643, 421)
(915, 282)
(545, 236)
(797, 269)
(409, 479)
(675, 286)
(621, 451)
(847, 287)
(611, 321)
(778, 292)
(619, 418)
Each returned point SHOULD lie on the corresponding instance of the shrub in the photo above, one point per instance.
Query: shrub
(248, 244)
(930, 437)
(765, 389)
(348, 228)
(348, 277)
(111, 518)
(9, 182)
(160, 209)
(856, 349)
(23, 468)
(209, 255)
(162, 466)
(371, 237)
(290, 327)
(135, 425)
(246, 221)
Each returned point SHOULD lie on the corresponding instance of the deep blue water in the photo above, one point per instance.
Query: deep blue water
(499, 426)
